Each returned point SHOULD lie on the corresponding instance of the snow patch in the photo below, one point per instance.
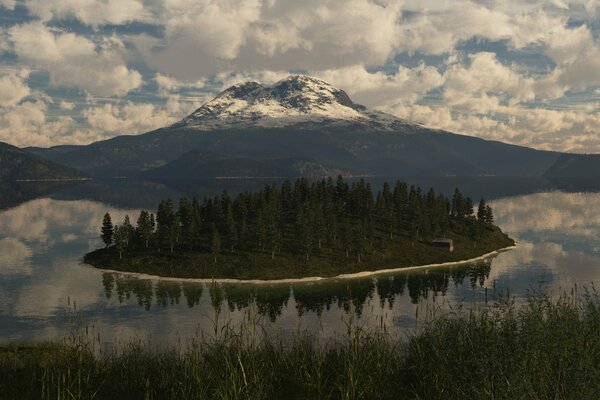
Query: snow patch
(295, 101)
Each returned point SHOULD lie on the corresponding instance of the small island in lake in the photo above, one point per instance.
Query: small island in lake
(325, 228)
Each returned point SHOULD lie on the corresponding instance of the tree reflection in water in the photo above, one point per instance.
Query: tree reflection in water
(349, 295)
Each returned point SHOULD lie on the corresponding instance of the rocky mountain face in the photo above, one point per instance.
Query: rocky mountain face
(298, 126)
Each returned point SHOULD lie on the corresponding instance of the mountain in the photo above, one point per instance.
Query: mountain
(198, 164)
(298, 101)
(24, 176)
(18, 165)
(575, 166)
(298, 126)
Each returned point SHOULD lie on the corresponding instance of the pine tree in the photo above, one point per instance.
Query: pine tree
(481, 211)
(186, 219)
(120, 240)
(488, 215)
(215, 245)
(128, 231)
(107, 230)
(144, 228)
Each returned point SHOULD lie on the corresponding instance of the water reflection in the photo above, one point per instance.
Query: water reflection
(270, 300)
(42, 281)
(15, 193)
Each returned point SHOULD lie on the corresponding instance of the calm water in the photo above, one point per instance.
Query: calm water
(45, 290)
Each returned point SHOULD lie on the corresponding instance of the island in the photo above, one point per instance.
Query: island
(299, 229)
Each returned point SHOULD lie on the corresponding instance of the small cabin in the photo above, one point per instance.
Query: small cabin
(442, 243)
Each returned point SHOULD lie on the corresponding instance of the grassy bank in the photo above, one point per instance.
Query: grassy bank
(547, 349)
(403, 252)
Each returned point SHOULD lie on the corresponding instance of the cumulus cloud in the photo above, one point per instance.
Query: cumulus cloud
(5, 45)
(8, 4)
(75, 61)
(90, 12)
(13, 88)
(167, 84)
(209, 38)
(379, 88)
(126, 119)
(25, 124)
(66, 105)
(484, 84)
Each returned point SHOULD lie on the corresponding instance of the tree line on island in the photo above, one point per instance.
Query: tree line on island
(300, 218)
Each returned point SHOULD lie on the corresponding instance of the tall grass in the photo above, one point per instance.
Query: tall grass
(548, 348)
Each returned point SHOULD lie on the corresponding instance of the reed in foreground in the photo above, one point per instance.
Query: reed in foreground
(546, 349)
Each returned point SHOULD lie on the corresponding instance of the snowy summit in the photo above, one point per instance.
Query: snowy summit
(298, 101)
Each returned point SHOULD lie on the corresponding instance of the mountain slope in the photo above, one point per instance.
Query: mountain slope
(198, 164)
(18, 165)
(575, 166)
(298, 118)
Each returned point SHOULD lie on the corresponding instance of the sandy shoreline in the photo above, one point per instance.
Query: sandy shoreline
(308, 278)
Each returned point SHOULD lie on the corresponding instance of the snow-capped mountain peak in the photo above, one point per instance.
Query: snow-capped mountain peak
(297, 100)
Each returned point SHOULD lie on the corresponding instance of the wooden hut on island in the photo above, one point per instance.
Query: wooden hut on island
(443, 243)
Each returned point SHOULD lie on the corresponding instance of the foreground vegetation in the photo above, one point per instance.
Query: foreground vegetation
(547, 349)
(321, 229)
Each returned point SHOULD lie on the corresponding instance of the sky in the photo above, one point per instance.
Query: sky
(523, 72)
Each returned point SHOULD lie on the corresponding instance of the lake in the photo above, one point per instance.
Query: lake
(46, 293)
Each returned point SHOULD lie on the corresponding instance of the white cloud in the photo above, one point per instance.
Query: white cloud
(379, 88)
(5, 45)
(26, 124)
(209, 38)
(66, 105)
(437, 27)
(75, 61)
(8, 4)
(130, 118)
(477, 85)
(167, 83)
(13, 88)
(90, 12)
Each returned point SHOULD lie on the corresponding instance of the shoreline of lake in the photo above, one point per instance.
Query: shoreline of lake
(308, 279)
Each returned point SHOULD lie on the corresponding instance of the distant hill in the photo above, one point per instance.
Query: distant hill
(575, 166)
(198, 164)
(298, 126)
(17, 165)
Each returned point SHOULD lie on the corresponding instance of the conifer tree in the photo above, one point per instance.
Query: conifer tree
(488, 215)
(481, 211)
(186, 219)
(215, 244)
(107, 230)
(144, 228)
(165, 219)
(120, 240)
(128, 231)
